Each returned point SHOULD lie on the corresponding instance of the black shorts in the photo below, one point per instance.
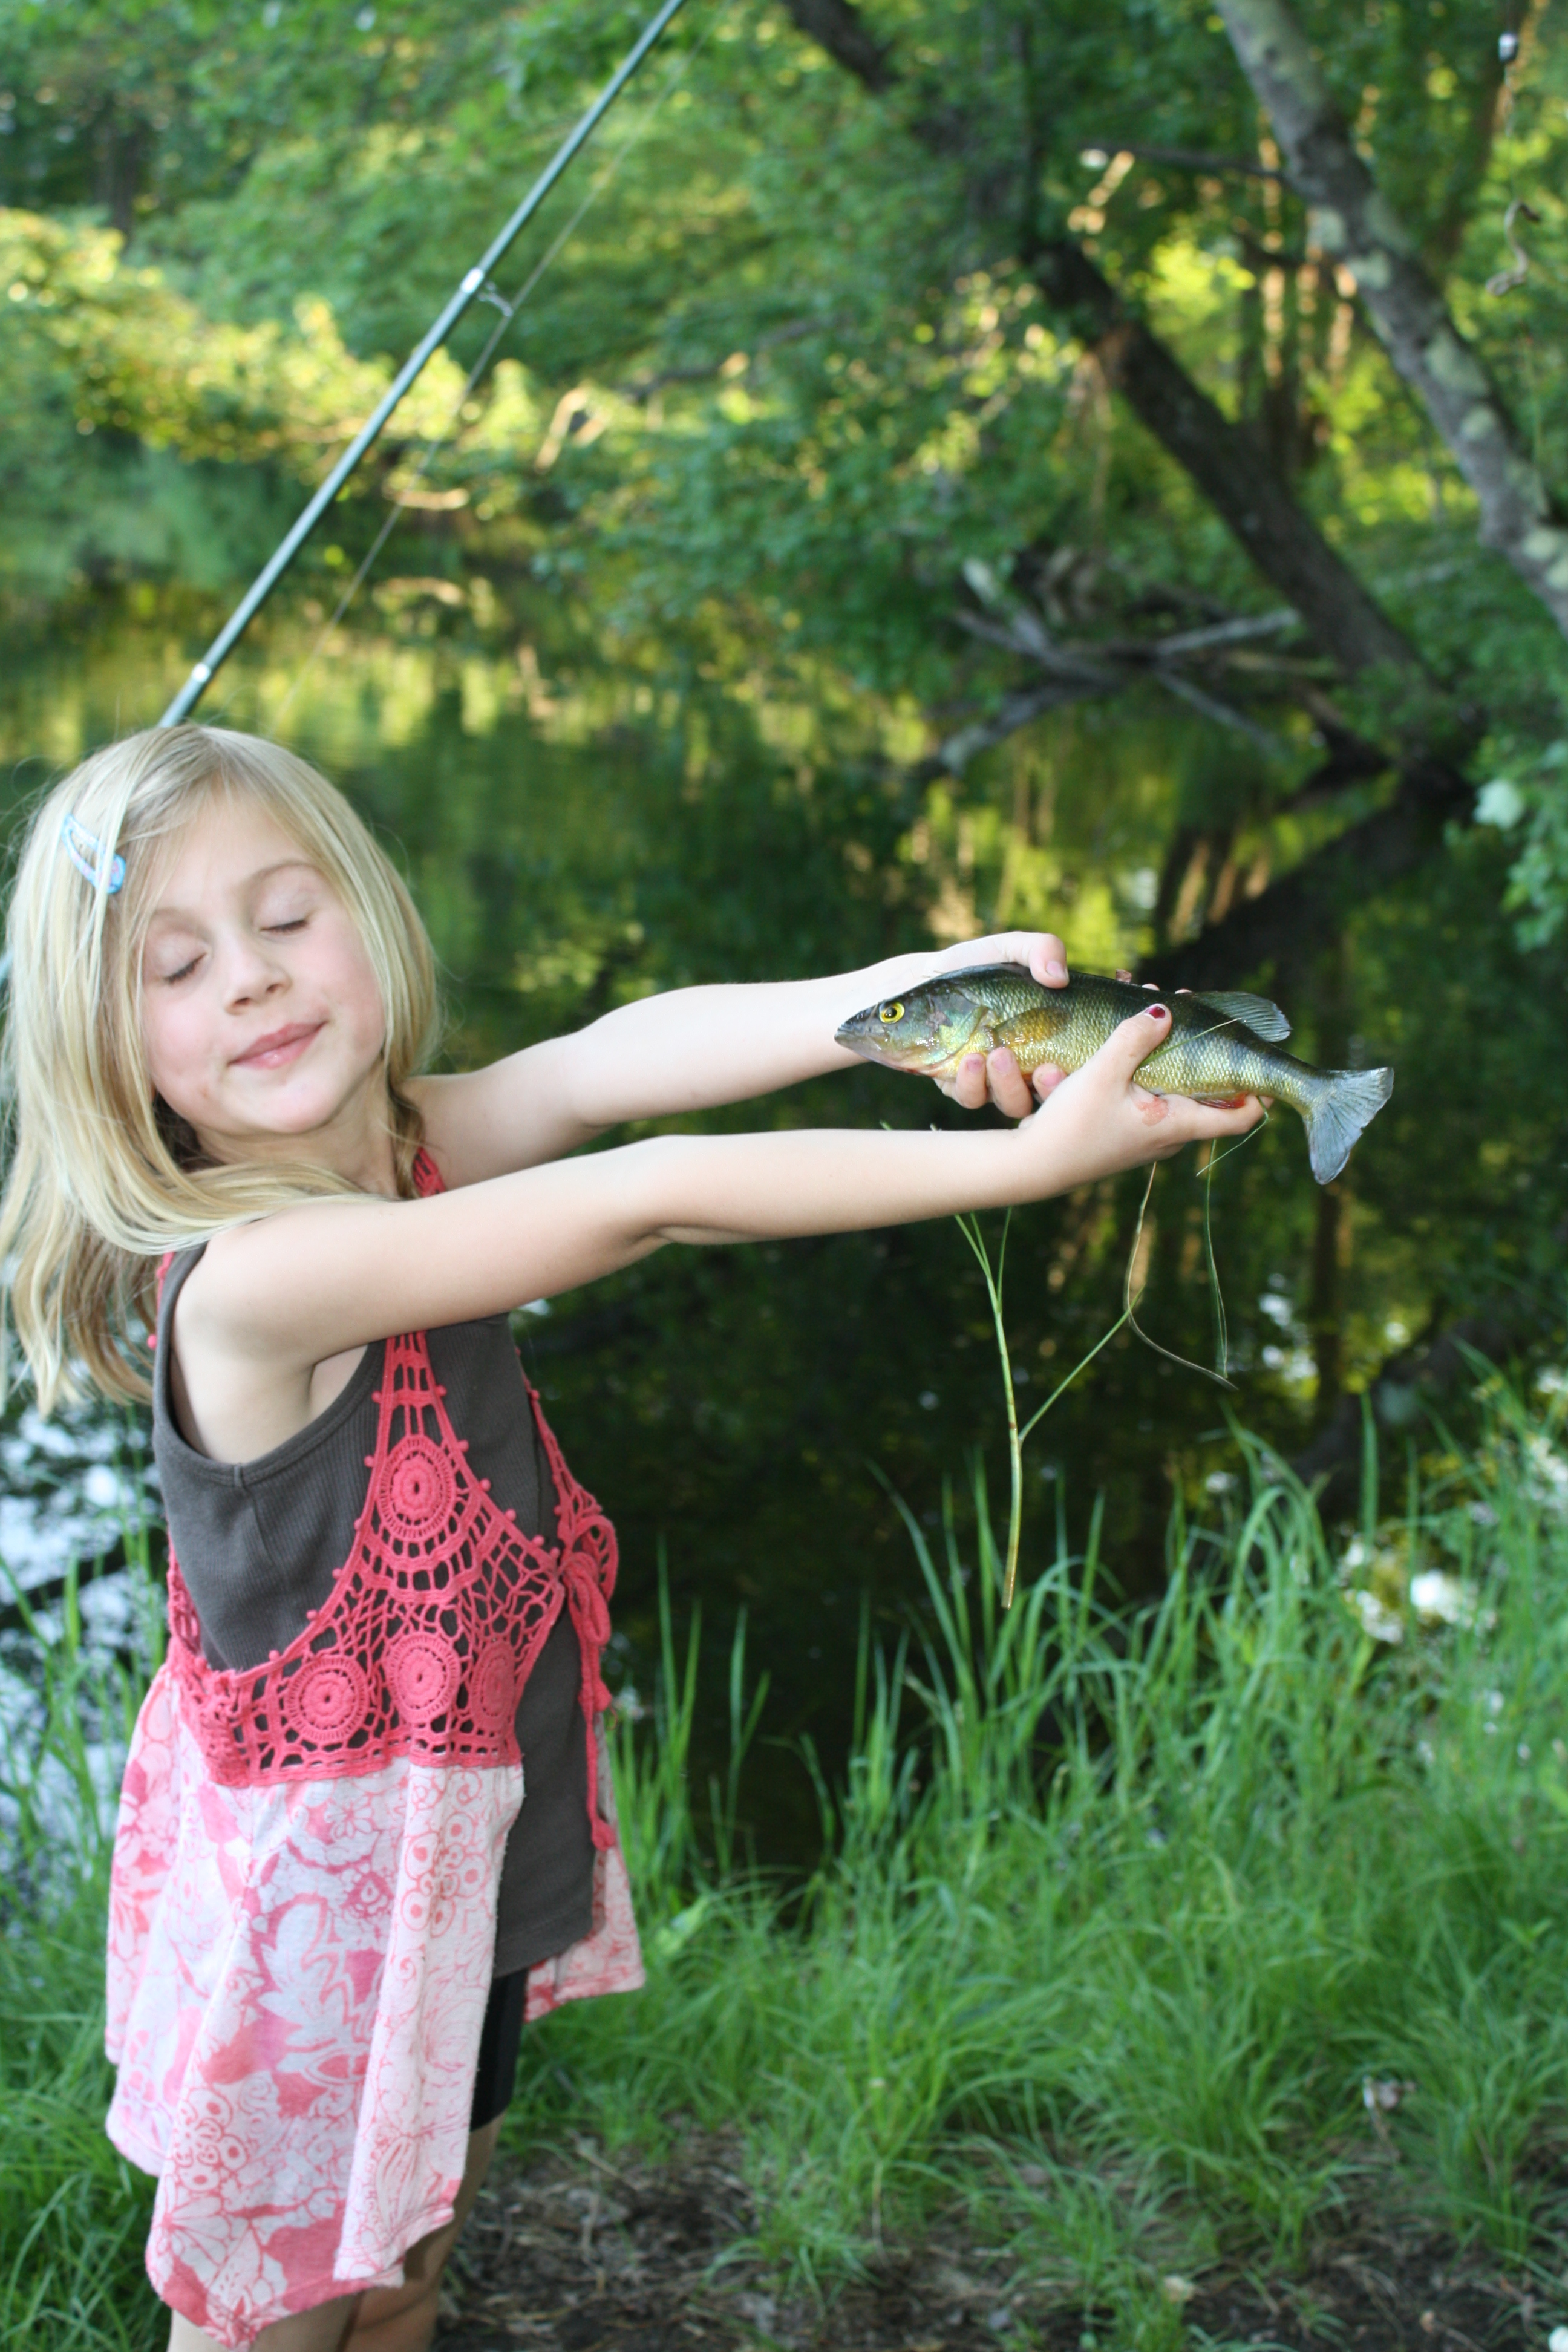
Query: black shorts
(500, 2038)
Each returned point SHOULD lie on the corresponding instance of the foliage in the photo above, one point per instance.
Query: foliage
(73, 2212)
(1116, 1918)
(794, 376)
(804, 333)
(1150, 1905)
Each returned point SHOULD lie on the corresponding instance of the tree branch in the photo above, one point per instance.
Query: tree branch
(1352, 221)
(838, 26)
(1224, 714)
(1085, 671)
(1227, 461)
(1230, 466)
(965, 743)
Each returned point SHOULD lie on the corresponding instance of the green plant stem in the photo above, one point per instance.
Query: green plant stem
(969, 1226)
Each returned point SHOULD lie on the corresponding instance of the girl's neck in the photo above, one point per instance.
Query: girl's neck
(356, 1144)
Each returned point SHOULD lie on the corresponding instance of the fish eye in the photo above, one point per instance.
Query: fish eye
(893, 1011)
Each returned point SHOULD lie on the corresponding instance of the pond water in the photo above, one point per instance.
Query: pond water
(583, 822)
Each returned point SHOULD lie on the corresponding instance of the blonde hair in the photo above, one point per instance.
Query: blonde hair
(104, 1179)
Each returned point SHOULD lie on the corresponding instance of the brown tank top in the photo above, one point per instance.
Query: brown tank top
(260, 1544)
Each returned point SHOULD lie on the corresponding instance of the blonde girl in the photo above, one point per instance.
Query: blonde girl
(365, 1827)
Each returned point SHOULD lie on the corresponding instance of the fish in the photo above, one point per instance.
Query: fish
(1224, 1045)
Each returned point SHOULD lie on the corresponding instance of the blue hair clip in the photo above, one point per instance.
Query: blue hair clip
(87, 854)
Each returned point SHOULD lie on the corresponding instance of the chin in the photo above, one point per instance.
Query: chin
(295, 1120)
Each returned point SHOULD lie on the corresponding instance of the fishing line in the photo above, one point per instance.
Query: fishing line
(1017, 1438)
(508, 306)
(469, 291)
(1216, 1295)
(1129, 1315)
(1221, 1375)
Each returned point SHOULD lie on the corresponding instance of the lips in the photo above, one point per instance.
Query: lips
(278, 1048)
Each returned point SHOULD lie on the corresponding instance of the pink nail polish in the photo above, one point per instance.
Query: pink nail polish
(1160, 1011)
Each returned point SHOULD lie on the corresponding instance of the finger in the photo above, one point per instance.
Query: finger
(971, 1088)
(1048, 960)
(1123, 975)
(1192, 1122)
(1009, 1088)
(1047, 1078)
(1133, 1040)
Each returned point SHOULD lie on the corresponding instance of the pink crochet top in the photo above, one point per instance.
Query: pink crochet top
(303, 1900)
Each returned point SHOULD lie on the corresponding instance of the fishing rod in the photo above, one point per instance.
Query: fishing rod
(477, 282)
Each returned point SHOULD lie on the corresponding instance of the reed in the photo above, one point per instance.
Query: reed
(1120, 1913)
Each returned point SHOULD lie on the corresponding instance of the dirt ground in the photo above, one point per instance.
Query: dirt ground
(581, 2254)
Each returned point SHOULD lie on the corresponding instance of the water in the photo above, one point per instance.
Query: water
(584, 819)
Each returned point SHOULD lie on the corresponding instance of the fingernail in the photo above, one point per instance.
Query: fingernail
(1158, 1013)
(1055, 972)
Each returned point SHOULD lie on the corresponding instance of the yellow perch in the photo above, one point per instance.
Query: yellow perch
(1222, 1044)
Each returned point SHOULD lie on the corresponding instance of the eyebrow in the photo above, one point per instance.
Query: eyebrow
(262, 874)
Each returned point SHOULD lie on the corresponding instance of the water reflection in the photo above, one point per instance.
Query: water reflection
(583, 822)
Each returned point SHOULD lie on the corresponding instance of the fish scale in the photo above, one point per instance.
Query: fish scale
(1222, 1044)
(1207, 1052)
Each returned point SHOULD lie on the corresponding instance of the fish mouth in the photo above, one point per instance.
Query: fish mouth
(866, 1034)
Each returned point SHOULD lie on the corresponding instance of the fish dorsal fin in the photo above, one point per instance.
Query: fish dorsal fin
(1264, 1020)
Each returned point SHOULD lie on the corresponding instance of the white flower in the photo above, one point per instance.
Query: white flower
(1501, 804)
(1434, 1593)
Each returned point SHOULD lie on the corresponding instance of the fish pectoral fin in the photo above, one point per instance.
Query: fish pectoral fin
(1265, 1020)
(1220, 1102)
(1015, 1034)
(978, 1041)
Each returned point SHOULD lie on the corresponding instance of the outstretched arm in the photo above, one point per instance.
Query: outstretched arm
(274, 1300)
(689, 1050)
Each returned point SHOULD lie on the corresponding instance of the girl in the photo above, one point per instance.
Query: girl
(366, 1825)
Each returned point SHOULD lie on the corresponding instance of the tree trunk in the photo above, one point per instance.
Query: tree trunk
(1355, 223)
(1230, 466)
(1232, 470)
(1227, 461)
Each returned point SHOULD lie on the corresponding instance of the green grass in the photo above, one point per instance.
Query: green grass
(1118, 1913)
(73, 2213)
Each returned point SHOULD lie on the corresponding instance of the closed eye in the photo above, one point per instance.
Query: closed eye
(295, 923)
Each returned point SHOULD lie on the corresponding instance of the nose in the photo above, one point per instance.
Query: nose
(252, 971)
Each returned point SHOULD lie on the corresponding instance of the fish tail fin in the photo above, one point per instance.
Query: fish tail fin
(1347, 1101)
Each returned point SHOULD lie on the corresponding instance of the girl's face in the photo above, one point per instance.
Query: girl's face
(261, 1020)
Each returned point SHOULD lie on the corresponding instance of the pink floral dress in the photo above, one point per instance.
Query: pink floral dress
(302, 1911)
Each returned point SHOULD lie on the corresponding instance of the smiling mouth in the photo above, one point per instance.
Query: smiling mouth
(276, 1051)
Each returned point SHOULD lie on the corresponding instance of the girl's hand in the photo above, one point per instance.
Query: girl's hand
(1100, 1120)
(995, 1076)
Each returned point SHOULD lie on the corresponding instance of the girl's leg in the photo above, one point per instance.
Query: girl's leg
(386, 2318)
(403, 2318)
(322, 2330)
